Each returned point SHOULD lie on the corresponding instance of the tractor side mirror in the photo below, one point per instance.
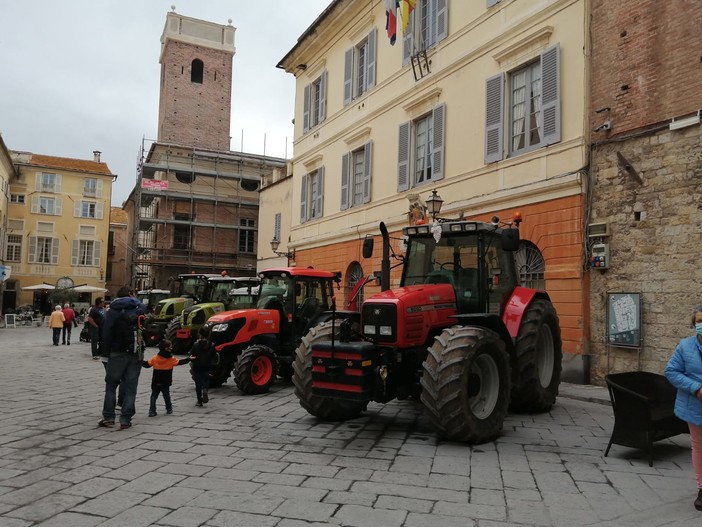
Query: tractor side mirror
(368, 243)
(510, 239)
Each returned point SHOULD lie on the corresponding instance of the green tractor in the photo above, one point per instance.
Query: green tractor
(218, 293)
(151, 297)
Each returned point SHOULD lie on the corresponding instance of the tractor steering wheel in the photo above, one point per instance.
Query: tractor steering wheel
(453, 266)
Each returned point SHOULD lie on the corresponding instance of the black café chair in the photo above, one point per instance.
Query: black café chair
(643, 410)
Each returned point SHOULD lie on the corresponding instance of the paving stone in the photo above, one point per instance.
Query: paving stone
(357, 516)
(173, 498)
(305, 510)
(411, 464)
(281, 479)
(404, 504)
(110, 504)
(299, 493)
(236, 500)
(472, 511)
(423, 520)
(327, 483)
(46, 507)
(138, 516)
(188, 517)
(33, 492)
(244, 519)
(69, 518)
(94, 487)
(350, 498)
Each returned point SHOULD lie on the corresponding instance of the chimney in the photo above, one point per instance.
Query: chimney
(96, 155)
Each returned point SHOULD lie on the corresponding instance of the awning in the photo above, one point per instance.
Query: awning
(89, 289)
(39, 287)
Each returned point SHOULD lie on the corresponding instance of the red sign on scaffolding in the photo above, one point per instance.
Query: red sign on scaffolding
(154, 184)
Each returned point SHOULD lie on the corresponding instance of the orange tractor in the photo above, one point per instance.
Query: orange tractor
(459, 333)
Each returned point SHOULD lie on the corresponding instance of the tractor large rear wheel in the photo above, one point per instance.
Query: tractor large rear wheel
(255, 369)
(465, 385)
(539, 359)
(325, 408)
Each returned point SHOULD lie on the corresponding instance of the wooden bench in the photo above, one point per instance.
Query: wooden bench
(643, 410)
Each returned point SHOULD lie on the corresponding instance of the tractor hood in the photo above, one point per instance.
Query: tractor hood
(413, 296)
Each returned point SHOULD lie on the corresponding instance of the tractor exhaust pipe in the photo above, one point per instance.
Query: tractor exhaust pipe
(385, 262)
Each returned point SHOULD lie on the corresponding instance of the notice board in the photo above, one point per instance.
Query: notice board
(624, 319)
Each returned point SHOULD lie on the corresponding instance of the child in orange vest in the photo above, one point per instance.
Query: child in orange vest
(163, 364)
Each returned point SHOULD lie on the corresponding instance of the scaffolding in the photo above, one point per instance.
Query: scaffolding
(195, 210)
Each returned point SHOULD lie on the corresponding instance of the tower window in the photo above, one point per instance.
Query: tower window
(196, 71)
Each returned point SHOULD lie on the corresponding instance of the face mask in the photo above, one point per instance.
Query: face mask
(698, 328)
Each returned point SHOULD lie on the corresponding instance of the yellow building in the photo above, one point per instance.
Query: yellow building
(7, 174)
(57, 227)
(484, 102)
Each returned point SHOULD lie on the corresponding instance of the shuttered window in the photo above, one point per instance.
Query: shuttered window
(428, 25)
(312, 195)
(421, 149)
(315, 102)
(360, 68)
(356, 169)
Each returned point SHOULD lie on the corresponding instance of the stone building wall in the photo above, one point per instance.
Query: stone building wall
(655, 241)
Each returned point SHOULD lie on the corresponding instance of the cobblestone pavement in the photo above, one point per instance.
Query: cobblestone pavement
(263, 461)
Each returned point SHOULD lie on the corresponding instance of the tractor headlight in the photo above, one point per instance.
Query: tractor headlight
(386, 330)
(369, 329)
(219, 327)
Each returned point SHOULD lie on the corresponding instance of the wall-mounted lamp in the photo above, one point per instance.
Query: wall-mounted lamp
(275, 242)
(434, 203)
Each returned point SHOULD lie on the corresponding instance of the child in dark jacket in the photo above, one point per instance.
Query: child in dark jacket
(163, 364)
(203, 355)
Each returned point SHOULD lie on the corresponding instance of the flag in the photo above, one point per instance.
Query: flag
(391, 20)
(407, 8)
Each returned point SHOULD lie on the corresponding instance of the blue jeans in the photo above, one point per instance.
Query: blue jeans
(202, 382)
(95, 340)
(123, 370)
(56, 335)
(155, 391)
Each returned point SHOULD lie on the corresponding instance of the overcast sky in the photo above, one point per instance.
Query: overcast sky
(83, 75)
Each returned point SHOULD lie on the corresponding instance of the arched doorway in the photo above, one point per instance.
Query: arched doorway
(530, 266)
(354, 274)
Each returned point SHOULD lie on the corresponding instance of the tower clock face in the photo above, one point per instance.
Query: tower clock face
(64, 282)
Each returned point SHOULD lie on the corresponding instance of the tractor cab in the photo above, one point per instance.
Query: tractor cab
(474, 258)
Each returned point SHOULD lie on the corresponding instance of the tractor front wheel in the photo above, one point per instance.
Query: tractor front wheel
(325, 408)
(218, 376)
(255, 369)
(539, 357)
(171, 330)
(465, 385)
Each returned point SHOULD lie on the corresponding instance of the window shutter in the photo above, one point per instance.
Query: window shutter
(494, 88)
(441, 20)
(323, 97)
(367, 160)
(57, 186)
(97, 245)
(437, 151)
(306, 110)
(551, 95)
(370, 66)
(345, 161)
(74, 252)
(35, 204)
(98, 189)
(77, 208)
(58, 206)
(320, 195)
(403, 153)
(37, 182)
(303, 199)
(54, 250)
(32, 249)
(98, 210)
(408, 40)
(348, 76)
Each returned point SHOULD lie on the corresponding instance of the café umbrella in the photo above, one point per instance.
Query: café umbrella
(39, 287)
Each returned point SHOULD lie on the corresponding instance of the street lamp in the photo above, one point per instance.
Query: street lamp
(275, 242)
(434, 203)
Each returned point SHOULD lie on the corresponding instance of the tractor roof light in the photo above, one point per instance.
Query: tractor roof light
(517, 218)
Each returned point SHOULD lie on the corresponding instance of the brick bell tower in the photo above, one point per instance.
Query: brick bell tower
(196, 83)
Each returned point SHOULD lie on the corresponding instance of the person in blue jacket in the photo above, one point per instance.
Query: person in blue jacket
(684, 371)
(119, 343)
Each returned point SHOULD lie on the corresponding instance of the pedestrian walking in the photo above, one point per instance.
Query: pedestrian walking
(202, 355)
(69, 320)
(684, 371)
(119, 343)
(56, 324)
(95, 320)
(162, 378)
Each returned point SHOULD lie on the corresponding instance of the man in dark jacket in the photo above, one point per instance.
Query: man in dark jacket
(119, 343)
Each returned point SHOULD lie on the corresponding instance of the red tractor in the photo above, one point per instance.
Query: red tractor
(459, 333)
(257, 344)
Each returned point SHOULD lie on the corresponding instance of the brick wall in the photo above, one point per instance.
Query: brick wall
(190, 113)
(646, 60)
